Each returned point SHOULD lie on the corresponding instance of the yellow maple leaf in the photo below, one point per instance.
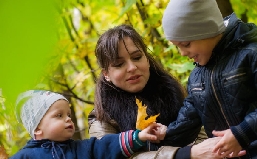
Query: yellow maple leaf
(142, 122)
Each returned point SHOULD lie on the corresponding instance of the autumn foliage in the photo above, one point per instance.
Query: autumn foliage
(143, 120)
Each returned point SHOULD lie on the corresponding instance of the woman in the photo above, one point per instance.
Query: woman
(130, 72)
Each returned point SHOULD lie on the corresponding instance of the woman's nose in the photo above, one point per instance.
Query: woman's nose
(131, 66)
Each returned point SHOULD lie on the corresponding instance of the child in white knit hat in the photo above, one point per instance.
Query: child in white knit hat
(47, 117)
(222, 88)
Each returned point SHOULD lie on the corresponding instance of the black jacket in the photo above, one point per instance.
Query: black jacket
(223, 93)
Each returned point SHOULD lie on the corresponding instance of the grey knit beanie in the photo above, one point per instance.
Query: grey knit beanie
(188, 20)
(32, 105)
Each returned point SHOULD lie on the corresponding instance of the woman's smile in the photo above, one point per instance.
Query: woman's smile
(134, 79)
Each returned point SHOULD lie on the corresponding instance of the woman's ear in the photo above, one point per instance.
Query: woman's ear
(105, 74)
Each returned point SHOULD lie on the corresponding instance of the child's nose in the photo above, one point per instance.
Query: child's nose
(184, 53)
(68, 119)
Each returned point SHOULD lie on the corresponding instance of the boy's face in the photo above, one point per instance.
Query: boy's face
(56, 125)
(199, 50)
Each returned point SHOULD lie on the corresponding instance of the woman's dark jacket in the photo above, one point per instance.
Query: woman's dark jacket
(223, 93)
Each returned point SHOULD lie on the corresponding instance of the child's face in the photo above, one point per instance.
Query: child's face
(130, 71)
(56, 125)
(199, 50)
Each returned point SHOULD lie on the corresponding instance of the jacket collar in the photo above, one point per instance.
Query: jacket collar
(56, 147)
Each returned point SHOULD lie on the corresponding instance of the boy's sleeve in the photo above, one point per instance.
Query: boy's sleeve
(186, 128)
(111, 146)
(246, 131)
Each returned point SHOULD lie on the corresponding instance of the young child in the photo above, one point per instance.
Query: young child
(47, 118)
(222, 89)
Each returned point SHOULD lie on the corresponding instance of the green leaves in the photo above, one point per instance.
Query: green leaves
(182, 67)
(125, 9)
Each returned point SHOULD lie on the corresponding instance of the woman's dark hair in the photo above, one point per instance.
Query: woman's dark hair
(107, 46)
(111, 102)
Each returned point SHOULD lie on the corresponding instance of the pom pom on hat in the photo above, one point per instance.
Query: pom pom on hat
(32, 105)
(188, 20)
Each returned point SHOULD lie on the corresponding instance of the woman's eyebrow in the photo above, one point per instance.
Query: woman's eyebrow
(135, 51)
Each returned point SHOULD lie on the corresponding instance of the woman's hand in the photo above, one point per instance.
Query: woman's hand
(204, 149)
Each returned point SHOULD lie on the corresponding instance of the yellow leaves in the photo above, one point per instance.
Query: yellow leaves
(142, 122)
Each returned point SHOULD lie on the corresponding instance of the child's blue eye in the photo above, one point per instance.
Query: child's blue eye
(59, 115)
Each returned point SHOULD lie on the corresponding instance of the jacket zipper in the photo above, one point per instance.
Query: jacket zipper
(214, 91)
(197, 89)
(235, 76)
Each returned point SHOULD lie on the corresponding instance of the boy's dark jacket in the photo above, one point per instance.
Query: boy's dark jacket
(106, 148)
(223, 93)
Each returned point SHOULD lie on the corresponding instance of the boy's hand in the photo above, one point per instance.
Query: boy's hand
(228, 146)
(153, 132)
(161, 131)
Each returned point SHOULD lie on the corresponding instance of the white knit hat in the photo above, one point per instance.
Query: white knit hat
(32, 105)
(187, 20)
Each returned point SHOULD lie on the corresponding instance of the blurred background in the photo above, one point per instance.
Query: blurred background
(50, 45)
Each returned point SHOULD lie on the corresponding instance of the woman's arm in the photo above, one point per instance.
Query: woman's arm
(167, 152)
(201, 137)
(198, 151)
(99, 129)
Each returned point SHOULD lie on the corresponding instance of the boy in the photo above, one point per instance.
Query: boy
(47, 118)
(222, 89)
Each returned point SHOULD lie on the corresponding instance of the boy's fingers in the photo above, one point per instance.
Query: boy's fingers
(218, 133)
(241, 153)
(224, 154)
(216, 148)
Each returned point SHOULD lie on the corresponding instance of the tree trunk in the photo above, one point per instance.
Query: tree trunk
(76, 135)
(3, 154)
(225, 7)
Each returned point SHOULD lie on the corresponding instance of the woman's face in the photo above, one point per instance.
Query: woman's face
(130, 72)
